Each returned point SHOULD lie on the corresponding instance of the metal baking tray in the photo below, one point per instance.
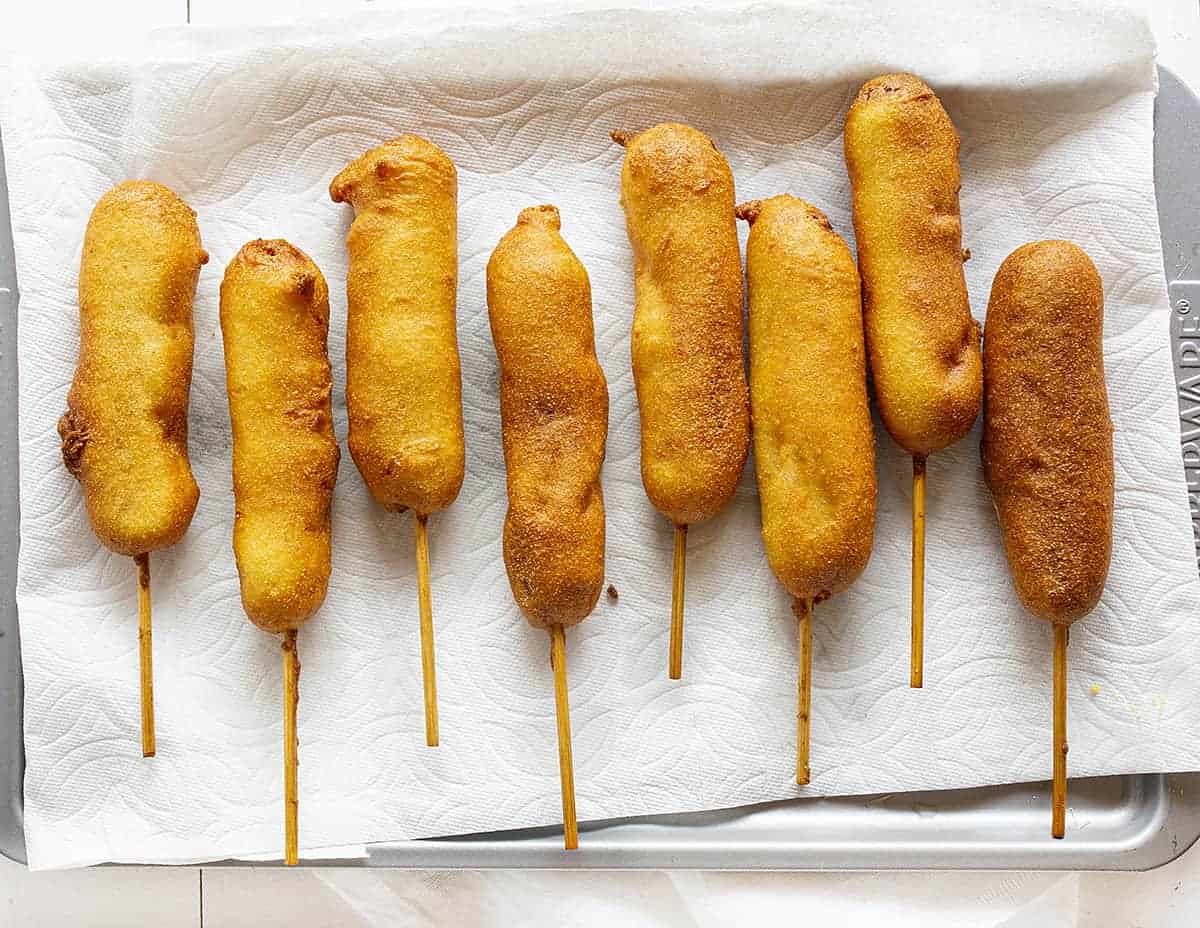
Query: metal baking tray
(1114, 823)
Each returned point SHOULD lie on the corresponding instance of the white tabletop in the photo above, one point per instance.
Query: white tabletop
(169, 897)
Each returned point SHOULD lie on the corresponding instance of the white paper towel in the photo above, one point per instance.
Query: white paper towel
(249, 126)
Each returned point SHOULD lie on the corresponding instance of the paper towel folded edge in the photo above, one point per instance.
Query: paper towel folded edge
(1005, 46)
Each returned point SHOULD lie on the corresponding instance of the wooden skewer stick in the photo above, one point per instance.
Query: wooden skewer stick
(675, 670)
(803, 609)
(916, 672)
(146, 654)
(291, 798)
(428, 664)
(566, 769)
(1058, 818)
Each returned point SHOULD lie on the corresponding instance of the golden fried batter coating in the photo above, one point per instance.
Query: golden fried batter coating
(1047, 435)
(902, 157)
(814, 446)
(125, 431)
(403, 377)
(275, 321)
(677, 191)
(554, 415)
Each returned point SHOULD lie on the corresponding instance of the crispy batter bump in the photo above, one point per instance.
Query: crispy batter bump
(902, 157)
(814, 446)
(403, 375)
(677, 191)
(1047, 435)
(124, 434)
(554, 415)
(275, 322)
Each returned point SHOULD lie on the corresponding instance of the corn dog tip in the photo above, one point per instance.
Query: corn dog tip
(897, 86)
(162, 203)
(752, 209)
(398, 164)
(273, 252)
(165, 201)
(546, 216)
(670, 147)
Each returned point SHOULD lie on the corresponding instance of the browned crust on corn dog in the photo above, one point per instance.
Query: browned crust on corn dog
(1047, 435)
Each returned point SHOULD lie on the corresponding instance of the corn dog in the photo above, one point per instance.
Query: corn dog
(124, 434)
(554, 417)
(902, 157)
(814, 446)
(275, 320)
(1047, 446)
(125, 431)
(403, 376)
(677, 192)
(275, 323)
(923, 344)
(1047, 435)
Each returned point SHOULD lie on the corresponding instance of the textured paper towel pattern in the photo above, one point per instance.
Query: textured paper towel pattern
(251, 135)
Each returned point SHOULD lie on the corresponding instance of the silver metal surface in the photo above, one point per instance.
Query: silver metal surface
(1118, 823)
(12, 742)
